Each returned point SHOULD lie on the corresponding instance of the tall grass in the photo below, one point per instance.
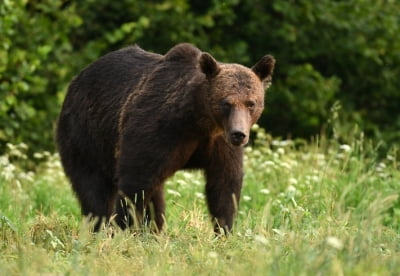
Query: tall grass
(306, 209)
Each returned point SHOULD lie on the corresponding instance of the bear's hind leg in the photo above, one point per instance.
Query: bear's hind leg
(96, 195)
(156, 209)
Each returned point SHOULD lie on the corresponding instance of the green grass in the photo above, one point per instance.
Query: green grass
(306, 209)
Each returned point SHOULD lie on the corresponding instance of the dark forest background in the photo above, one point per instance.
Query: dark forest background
(338, 62)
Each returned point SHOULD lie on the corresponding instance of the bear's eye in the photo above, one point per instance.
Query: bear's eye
(250, 105)
(226, 106)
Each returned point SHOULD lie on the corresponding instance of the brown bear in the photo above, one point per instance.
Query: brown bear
(133, 118)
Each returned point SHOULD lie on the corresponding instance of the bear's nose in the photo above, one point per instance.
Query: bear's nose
(237, 137)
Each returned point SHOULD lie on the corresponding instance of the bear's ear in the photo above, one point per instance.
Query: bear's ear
(209, 65)
(264, 68)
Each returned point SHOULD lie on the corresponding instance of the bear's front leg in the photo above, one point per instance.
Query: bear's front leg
(224, 176)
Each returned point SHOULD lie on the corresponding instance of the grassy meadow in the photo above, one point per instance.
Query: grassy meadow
(321, 208)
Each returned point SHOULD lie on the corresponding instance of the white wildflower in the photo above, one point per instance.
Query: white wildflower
(196, 182)
(312, 178)
(340, 156)
(269, 163)
(246, 198)
(315, 178)
(291, 189)
(265, 191)
(285, 210)
(248, 233)
(345, 148)
(293, 163)
(173, 192)
(261, 239)
(8, 172)
(4, 161)
(279, 232)
(320, 156)
(380, 167)
(187, 175)
(38, 155)
(28, 176)
(280, 151)
(23, 146)
(286, 165)
(199, 195)
(334, 243)
(255, 127)
(181, 182)
(283, 143)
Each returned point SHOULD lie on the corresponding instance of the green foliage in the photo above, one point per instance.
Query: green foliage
(306, 209)
(301, 106)
(355, 42)
(327, 51)
(35, 65)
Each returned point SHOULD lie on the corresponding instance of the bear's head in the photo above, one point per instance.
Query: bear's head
(236, 95)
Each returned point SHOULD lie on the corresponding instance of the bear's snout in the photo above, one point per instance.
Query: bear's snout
(238, 138)
(238, 126)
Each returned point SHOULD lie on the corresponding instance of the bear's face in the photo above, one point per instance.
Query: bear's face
(236, 95)
(237, 101)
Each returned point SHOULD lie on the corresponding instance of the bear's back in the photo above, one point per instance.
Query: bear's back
(90, 112)
(120, 70)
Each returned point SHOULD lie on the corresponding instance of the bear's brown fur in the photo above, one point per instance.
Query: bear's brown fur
(132, 118)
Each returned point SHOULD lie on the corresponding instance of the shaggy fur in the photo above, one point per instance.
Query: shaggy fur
(132, 118)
